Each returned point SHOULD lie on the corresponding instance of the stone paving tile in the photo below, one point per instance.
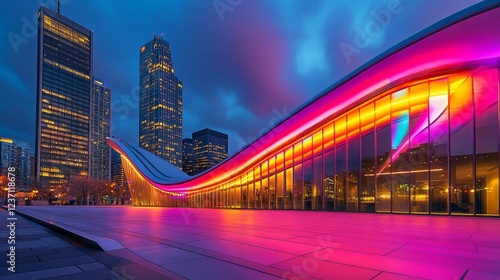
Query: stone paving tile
(136, 271)
(43, 273)
(416, 268)
(55, 242)
(60, 255)
(244, 251)
(209, 268)
(54, 263)
(447, 261)
(483, 275)
(91, 266)
(167, 255)
(392, 276)
(320, 269)
(94, 274)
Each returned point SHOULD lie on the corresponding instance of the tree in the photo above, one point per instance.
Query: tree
(39, 191)
(81, 188)
(102, 190)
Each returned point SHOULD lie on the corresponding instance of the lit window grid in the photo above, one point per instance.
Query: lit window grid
(63, 120)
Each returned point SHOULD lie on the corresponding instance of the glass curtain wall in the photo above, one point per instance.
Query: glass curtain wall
(425, 147)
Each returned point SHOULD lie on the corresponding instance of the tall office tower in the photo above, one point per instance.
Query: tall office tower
(15, 154)
(209, 148)
(63, 98)
(160, 116)
(100, 153)
(187, 155)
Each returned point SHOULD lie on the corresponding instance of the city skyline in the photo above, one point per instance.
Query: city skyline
(293, 66)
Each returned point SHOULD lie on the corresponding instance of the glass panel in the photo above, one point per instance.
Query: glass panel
(289, 157)
(279, 162)
(251, 196)
(461, 146)
(297, 153)
(419, 148)
(340, 130)
(289, 189)
(353, 124)
(237, 196)
(272, 165)
(438, 146)
(307, 168)
(250, 176)
(318, 143)
(353, 176)
(340, 178)
(328, 137)
(317, 190)
(307, 147)
(256, 173)
(279, 190)
(366, 117)
(244, 196)
(258, 195)
(329, 186)
(264, 170)
(383, 150)
(486, 109)
(367, 191)
(297, 186)
(399, 153)
(272, 192)
(265, 193)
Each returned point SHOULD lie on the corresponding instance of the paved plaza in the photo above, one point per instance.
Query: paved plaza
(182, 243)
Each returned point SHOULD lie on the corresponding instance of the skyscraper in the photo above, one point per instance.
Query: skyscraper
(63, 98)
(187, 156)
(209, 148)
(100, 153)
(16, 154)
(160, 117)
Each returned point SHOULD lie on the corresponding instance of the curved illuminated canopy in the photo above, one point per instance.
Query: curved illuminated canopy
(463, 42)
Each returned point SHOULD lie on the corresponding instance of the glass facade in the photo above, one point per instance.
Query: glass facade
(16, 154)
(209, 147)
(426, 146)
(160, 115)
(100, 153)
(63, 92)
(187, 156)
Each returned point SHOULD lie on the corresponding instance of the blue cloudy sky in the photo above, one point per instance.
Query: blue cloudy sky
(244, 64)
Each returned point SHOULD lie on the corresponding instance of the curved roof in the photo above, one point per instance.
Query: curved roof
(467, 39)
